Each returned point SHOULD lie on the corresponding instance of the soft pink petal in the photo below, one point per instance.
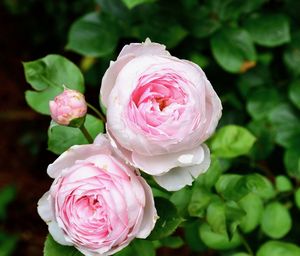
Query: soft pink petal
(160, 164)
(57, 233)
(73, 154)
(179, 177)
(146, 48)
(110, 76)
(44, 207)
(150, 214)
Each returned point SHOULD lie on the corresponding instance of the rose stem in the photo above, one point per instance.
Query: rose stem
(102, 117)
(86, 134)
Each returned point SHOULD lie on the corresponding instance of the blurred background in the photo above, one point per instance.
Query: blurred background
(250, 51)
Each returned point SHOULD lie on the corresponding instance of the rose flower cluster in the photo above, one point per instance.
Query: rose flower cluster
(160, 111)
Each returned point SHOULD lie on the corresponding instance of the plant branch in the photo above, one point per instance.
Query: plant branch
(86, 134)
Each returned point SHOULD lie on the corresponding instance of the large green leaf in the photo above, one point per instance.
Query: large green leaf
(47, 76)
(52, 248)
(168, 221)
(90, 35)
(269, 30)
(218, 241)
(253, 206)
(200, 199)
(132, 3)
(232, 141)
(276, 220)
(192, 238)
(60, 138)
(283, 183)
(233, 49)
(181, 199)
(143, 247)
(277, 248)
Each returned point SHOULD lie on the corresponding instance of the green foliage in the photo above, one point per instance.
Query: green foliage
(52, 248)
(7, 244)
(277, 248)
(60, 138)
(283, 184)
(47, 77)
(232, 141)
(276, 220)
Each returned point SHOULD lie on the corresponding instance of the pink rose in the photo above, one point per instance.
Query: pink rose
(67, 106)
(160, 110)
(96, 202)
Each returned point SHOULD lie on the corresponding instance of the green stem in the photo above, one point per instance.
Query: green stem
(86, 134)
(245, 243)
(102, 117)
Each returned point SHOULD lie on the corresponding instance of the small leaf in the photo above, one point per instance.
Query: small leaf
(192, 238)
(173, 242)
(216, 217)
(277, 248)
(232, 141)
(253, 206)
(283, 184)
(168, 221)
(143, 247)
(132, 3)
(60, 138)
(200, 199)
(89, 35)
(181, 199)
(47, 76)
(269, 30)
(218, 241)
(232, 48)
(276, 221)
(52, 248)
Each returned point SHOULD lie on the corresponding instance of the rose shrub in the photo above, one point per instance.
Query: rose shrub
(160, 110)
(96, 202)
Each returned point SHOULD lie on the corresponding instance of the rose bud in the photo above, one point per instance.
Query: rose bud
(68, 108)
(160, 110)
(96, 202)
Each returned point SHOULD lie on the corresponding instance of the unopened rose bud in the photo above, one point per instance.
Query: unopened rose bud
(68, 108)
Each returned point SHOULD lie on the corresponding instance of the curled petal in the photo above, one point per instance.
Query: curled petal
(179, 177)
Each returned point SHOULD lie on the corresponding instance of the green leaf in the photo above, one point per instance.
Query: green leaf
(269, 30)
(200, 199)
(181, 199)
(240, 254)
(173, 33)
(234, 216)
(90, 35)
(234, 187)
(192, 237)
(276, 221)
(265, 142)
(257, 105)
(291, 55)
(294, 92)
(216, 217)
(253, 206)
(283, 184)
(173, 242)
(286, 125)
(168, 221)
(277, 248)
(60, 138)
(297, 198)
(218, 241)
(52, 248)
(143, 247)
(292, 161)
(47, 76)
(232, 141)
(233, 49)
(132, 3)
(210, 177)
(127, 251)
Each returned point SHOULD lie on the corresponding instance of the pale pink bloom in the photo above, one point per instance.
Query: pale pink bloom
(67, 106)
(160, 110)
(96, 202)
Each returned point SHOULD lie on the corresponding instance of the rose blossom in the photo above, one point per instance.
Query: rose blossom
(96, 202)
(160, 110)
(67, 106)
